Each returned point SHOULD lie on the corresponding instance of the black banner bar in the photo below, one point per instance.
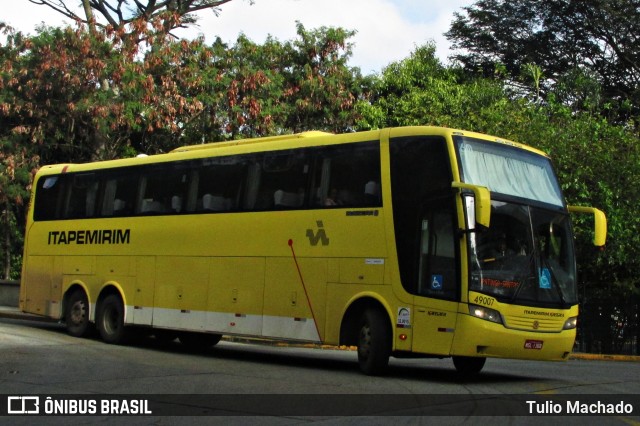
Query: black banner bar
(627, 405)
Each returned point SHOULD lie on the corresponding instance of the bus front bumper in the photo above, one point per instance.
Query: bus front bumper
(480, 338)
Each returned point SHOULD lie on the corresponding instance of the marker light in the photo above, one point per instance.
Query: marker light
(485, 313)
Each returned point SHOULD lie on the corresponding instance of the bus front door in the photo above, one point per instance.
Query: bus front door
(437, 293)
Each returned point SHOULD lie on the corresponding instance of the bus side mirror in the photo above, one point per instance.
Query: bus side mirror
(482, 197)
(600, 223)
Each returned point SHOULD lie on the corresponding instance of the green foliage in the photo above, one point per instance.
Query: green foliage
(421, 91)
(282, 87)
(596, 40)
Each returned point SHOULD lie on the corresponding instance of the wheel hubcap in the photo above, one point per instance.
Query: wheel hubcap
(78, 312)
(365, 341)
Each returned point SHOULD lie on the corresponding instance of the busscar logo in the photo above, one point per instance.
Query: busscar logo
(23, 405)
(319, 236)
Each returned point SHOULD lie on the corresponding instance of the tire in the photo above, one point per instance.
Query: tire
(198, 341)
(76, 314)
(468, 366)
(110, 320)
(374, 343)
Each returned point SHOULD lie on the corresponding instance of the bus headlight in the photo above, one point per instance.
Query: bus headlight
(571, 323)
(485, 313)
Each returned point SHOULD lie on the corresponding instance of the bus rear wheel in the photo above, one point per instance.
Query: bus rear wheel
(110, 320)
(374, 343)
(467, 365)
(76, 314)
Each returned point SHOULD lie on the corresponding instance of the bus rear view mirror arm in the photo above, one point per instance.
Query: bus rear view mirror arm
(482, 197)
(600, 223)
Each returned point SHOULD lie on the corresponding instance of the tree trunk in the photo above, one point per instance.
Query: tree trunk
(6, 245)
(89, 14)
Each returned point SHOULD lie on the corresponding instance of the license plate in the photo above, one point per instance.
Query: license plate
(533, 344)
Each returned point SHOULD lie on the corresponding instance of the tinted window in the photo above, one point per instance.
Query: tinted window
(284, 180)
(164, 189)
(82, 196)
(422, 212)
(49, 197)
(218, 183)
(348, 176)
(120, 190)
(332, 176)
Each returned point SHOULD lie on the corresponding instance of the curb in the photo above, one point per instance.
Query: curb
(604, 357)
(14, 313)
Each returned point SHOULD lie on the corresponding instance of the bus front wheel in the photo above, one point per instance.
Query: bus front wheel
(76, 314)
(374, 342)
(468, 366)
(110, 320)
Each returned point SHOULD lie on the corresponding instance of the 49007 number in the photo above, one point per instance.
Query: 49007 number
(483, 300)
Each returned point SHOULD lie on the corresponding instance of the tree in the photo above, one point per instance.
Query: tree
(589, 49)
(420, 91)
(321, 89)
(279, 87)
(70, 96)
(120, 13)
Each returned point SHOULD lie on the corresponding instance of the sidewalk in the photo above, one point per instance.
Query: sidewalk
(14, 313)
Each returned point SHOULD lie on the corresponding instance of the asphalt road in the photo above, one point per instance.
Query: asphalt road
(239, 383)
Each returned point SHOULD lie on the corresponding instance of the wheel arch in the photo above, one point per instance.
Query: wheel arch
(349, 327)
(73, 287)
(109, 288)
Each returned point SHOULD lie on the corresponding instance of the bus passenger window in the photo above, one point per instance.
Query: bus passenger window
(49, 196)
(348, 176)
(119, 195)
(283, 199)
(81, 200)
(219, 183)
(284, 180)
(164, 189)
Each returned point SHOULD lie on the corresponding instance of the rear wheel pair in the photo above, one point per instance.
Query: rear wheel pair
(109, 317)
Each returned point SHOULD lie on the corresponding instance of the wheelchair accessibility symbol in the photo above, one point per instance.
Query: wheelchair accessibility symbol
(436, 282)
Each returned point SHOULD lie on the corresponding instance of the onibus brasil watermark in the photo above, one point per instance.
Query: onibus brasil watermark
(36, 405)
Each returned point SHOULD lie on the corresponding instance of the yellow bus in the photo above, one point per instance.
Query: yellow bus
(414, 241)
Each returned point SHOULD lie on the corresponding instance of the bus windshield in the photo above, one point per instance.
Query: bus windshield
(508, 170)
(526, 256)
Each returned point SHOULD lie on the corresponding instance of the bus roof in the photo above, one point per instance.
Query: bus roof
(279, 142)
(309, 134)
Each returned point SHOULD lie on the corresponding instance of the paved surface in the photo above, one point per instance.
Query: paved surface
(15, 313)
